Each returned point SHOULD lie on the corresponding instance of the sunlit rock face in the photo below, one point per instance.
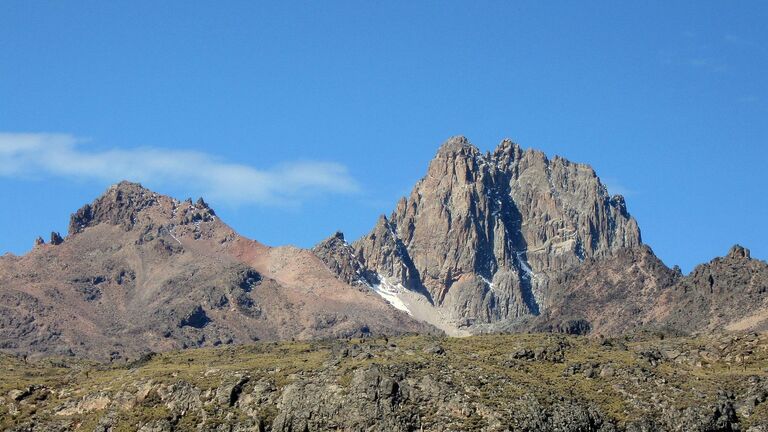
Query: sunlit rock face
(482, 235)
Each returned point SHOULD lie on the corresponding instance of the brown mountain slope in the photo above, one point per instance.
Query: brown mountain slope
(729, 292)
(140, 271)
(608, 295)
(634, 290)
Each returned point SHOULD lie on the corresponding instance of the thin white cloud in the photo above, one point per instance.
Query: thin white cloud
(60, 155)
(616, 188)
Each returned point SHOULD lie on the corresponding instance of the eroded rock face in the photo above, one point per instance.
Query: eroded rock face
(483, 234)
(120, 205)
(608, 295)
(130, 205)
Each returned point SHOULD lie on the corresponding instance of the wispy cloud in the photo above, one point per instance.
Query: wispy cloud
(615, 187)
(698, 52)
(745, 42)
(60, 155)
(748, 99)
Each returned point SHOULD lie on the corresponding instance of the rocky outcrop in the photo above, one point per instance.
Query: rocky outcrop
(120, 205)
(482, 235)
(340, 258)
(129, 205)
(56, 238)
(608, 295)
(633, 290)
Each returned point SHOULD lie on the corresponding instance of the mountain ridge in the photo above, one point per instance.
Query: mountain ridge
(508, 240)
(492, 241)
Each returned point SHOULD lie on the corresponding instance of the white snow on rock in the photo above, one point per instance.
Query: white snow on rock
(524, 266)
(487, 282)
(391, 293)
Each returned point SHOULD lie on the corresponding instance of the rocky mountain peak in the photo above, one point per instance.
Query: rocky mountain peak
(507, 150)
(739, 252)
(728, 292)
(141, 271)
(457, 146)
(119, 205)
(482, 235)
(335, 241)
(128, 204)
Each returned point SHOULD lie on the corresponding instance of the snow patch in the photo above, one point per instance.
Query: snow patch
(391, 293)
(524, 266)
(487, 282)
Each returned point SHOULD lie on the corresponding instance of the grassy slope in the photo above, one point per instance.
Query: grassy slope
(484, 368)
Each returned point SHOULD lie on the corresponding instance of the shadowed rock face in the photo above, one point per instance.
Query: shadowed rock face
(483, 234)
(140, 271)
(633, 289)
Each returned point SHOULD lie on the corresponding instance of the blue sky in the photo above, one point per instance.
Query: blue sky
(330, 111)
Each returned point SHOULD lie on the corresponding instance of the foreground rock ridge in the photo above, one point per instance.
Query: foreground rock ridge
(483, 383)
(143, 272)
(512, 240)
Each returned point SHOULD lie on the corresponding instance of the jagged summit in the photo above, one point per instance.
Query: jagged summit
(728, 292)
(129, 204)
(339, 257)
(739, 252)
(506, 150)
(457, 145)
(118, 205)
(513, 239)
(483, 234)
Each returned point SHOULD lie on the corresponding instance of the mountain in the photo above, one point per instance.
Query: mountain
(140, 271)
(509, 240)
(482, 236)
(512, 240)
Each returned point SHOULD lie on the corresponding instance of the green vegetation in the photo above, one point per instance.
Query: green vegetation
(626, 378)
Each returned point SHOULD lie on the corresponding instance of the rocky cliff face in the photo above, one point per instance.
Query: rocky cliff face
(609, 295)
(482, 235)
(140, 271)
